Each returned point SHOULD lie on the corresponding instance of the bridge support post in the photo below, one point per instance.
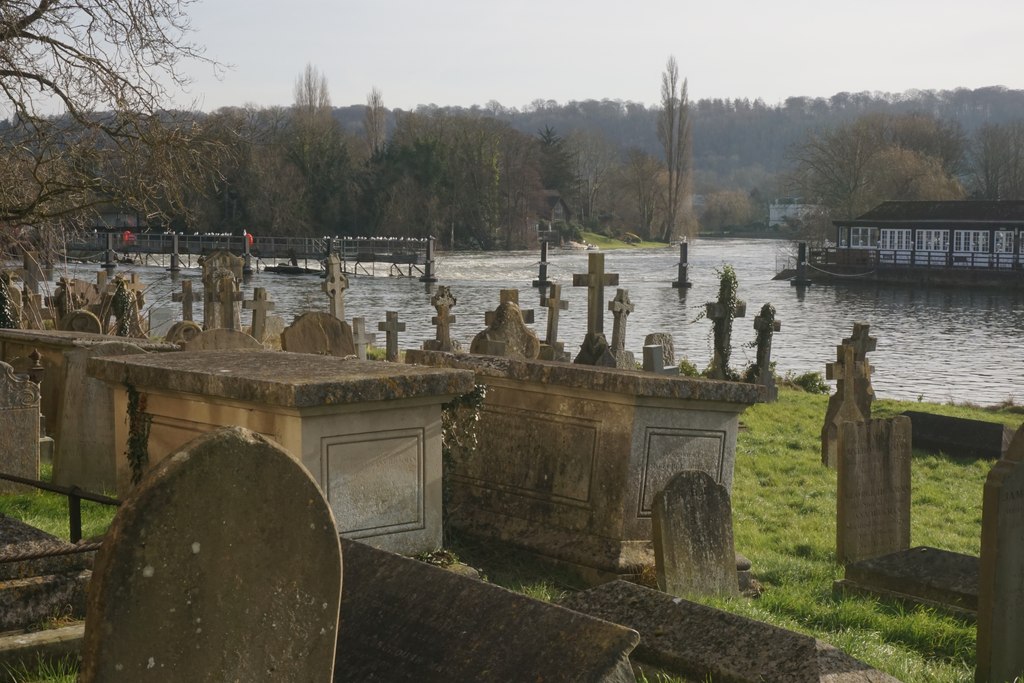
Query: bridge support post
(428, 266)
(684, 265)
(542, 279)
(801, 279)
(175, 259)
(109, 258)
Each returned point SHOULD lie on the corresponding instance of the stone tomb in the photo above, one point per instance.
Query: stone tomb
(702, 643)
(405, 620)
(958, 436)
(190, 584)
(19, 425)
(693, 547)
(368, 432)
(570, 457)
(873, 491)
(1001, 586)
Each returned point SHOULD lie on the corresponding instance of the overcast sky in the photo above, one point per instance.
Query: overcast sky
(465, 52)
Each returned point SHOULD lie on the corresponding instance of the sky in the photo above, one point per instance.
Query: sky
(465, 52)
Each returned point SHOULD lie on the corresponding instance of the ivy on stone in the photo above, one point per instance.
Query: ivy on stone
(139, 423)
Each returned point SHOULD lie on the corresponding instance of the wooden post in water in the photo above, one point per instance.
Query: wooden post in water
(681, 282)
(428, 266)
(801, 279)
(110, 262)
(175, 259)
(542, 279)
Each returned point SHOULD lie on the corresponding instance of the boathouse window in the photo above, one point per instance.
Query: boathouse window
(1003, 241)
(895, 240)
(965, 241)
(863, 238)
(933, 240)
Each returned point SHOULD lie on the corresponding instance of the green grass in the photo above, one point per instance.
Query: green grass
(45, 671)
(611, 243)
(49, 512)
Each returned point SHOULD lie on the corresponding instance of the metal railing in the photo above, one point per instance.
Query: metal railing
(75, 496)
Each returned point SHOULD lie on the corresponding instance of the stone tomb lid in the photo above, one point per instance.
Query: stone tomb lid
(405, 620)
(72, 338)
(296, 380)
(629, 382)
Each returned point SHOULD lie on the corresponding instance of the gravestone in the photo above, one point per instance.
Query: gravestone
(667, 344)
(443, 302)
(334, 285)
(222, 302)
(862, 343)
(506, 296)
(320, 333)
(701, 643)
(721, 316)
(1000, 655)
(73, 295)
(621, 307)
(160, 320)
(186, 297)
(958, 436)
(507, 335)
(216, 266)
(842, 405)
(552, 349)
(124, 304)
(260, 305)
(873, 489)
(595, 349)
(81, 321)
(272, 335)
(391, 327)
(405, 620)
(361, 338)
(692, 531)
(766, 325)
(86, 451)
(189, 584)
(222, 339)
(19, 425)
(654, 360)
(182, 332)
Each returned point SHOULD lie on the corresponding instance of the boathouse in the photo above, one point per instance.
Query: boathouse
(954, 242)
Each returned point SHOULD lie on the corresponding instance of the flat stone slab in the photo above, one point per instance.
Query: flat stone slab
(27, 649)
(19, 540)
(405, 620)
(280, 378)
(959, 436)
(921, 575)
(602, 379)
(698, 642)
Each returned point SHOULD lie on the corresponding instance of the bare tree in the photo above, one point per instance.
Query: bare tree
(374, 122)
(674, 135)
(84, 84)
(595, 159)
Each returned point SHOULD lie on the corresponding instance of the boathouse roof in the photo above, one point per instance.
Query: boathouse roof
(907, 214)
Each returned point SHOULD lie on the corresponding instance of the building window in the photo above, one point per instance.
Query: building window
(1003, 241)
(894, 240)
(970, 241)
(933, 240)
(863, 238)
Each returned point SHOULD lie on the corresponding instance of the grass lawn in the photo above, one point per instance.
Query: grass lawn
(784, 511)
(611, 243)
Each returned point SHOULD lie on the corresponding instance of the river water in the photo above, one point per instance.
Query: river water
(941, 345)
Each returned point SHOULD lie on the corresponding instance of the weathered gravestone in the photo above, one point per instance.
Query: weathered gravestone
(334, 286)
(959, 437)
(160, 320)
(552, 349)
(1001, 587)
(621, 307)
(125, 305)
(766, 326)
(320, 333)
(260, 305)
(222, 339)
(654, 360)
(692, 530)
(843, 405)
(508, 296)
(391, 327)
(186, 298)
(19, 425)
(86, 451)
(507, 335)
(443, 302)
(595, 349)
(404, 620)
(218, 266)
(361, 338)
(862, 343)
(190, 584)
(668, 347)
(81, 321)
(721, 313)
(873, 491)
(183, 332)
(702, 643)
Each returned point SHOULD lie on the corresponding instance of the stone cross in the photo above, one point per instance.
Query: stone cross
(186, 298)
(595, 281)
(766, 325)
(654, 360)
(842, 405)
(719, 314)
(391, 328)
(862, 344)
(361, 337)
(509, 295)
(552, 349)
(620, 307)
(260, 305)
(443, 301)
(227, 296)
(335, 284)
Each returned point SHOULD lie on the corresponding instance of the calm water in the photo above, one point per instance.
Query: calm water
(939, 344)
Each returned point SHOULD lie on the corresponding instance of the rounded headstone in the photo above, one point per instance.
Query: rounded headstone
(81, 321)
(223, 564)
(183, 331)
(222, 339)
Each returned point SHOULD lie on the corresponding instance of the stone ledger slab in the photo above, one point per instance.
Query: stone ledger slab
(223, 564)
(368, 432)
(570, 456)
(699, 642)
(921, 575)
(405, 620)
(958, 436)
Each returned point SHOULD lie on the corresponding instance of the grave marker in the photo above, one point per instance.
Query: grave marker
(507, 335)
(319, 333)
(185, 587)
(667, 344)
(222, 339)
(186, 298)
(595, 350)
(552, 349)
(443, 302)
(260, 305)
(654, 360)
(361, 337)
(81, 321)
(842, 405)
(1000, 655)
(183, 331)
(873, 490)
(19, 425)
(693, 546)
(721, 316)
(621, 307)
(228, 298)
(160, 320)
(506, 296)
(862, 344)
(391, 328)
(766, 325)
(335, 284)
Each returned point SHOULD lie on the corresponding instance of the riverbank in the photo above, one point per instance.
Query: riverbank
(784, 510)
